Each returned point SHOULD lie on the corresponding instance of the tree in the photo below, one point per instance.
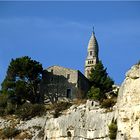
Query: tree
(101, 82)
(22, 79)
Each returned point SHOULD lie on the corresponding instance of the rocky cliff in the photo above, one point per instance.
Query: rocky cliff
(82, 122)
(90, 122)
(128, 112)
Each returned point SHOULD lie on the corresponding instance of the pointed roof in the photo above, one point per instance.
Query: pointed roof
(93, 44)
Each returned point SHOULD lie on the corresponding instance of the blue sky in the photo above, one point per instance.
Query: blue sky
(57, 33)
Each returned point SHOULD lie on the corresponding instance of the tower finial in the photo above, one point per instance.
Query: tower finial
(93, 30)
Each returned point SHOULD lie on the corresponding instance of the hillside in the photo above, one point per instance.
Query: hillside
(87, 121)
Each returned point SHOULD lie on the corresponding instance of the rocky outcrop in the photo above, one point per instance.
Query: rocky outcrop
(29, 129)
(128, 113)
(91, 122)
(86, 121)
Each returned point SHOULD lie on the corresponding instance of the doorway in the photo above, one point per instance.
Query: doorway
(68, 93)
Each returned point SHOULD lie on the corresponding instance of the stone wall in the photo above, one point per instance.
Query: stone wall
(83, 85)
(65, 82)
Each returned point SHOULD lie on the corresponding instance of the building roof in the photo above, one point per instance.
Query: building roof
(60, 67)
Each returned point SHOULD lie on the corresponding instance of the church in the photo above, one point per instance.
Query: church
(60, 82)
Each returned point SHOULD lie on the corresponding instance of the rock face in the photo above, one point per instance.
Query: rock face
(128, 113)
(88, 122)
(80, 123)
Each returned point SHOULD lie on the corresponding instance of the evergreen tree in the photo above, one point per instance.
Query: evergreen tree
(101, 82)
(22, 79)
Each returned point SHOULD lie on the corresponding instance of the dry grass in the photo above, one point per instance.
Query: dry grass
(79, 101)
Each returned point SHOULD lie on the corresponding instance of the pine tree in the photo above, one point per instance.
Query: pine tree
(101, 82)
(22, 79)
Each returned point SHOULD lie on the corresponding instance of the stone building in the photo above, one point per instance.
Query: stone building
(64, 82)
(92, 56)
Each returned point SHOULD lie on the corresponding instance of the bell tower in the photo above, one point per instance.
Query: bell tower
(92, 54)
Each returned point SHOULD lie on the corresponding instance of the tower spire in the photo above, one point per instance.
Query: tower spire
(92, 54)
(93, 30)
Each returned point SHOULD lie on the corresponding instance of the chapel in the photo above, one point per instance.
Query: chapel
(60, 82)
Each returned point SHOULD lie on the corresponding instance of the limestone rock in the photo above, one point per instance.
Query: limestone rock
(129, 106)
(88, 121)
(84, 122)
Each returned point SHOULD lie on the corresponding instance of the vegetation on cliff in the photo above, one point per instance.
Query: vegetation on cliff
(113, 129)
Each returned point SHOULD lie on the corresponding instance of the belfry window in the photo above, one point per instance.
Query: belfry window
(90, 53)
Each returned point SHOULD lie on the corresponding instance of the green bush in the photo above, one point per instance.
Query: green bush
(94, 93)
(113, 129)
(3, 100)
(2, 111)
(3, 104)
(28, 110)
(107, 103)
(10, 132)
(10, 108)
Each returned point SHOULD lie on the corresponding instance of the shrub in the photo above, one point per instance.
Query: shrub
(28, 110)
(10, 108)
(94, 93)
(3, 100)
(7, 106)
(59, 107)
(38, 110)
(113, 129)
(10, 132)
(41, 133)
(107, 103)
(2, 111)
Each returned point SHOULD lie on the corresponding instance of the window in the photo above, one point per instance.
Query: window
(68, 76)
(90, 53)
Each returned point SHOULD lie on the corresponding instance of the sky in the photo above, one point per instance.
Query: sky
(57, 33)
